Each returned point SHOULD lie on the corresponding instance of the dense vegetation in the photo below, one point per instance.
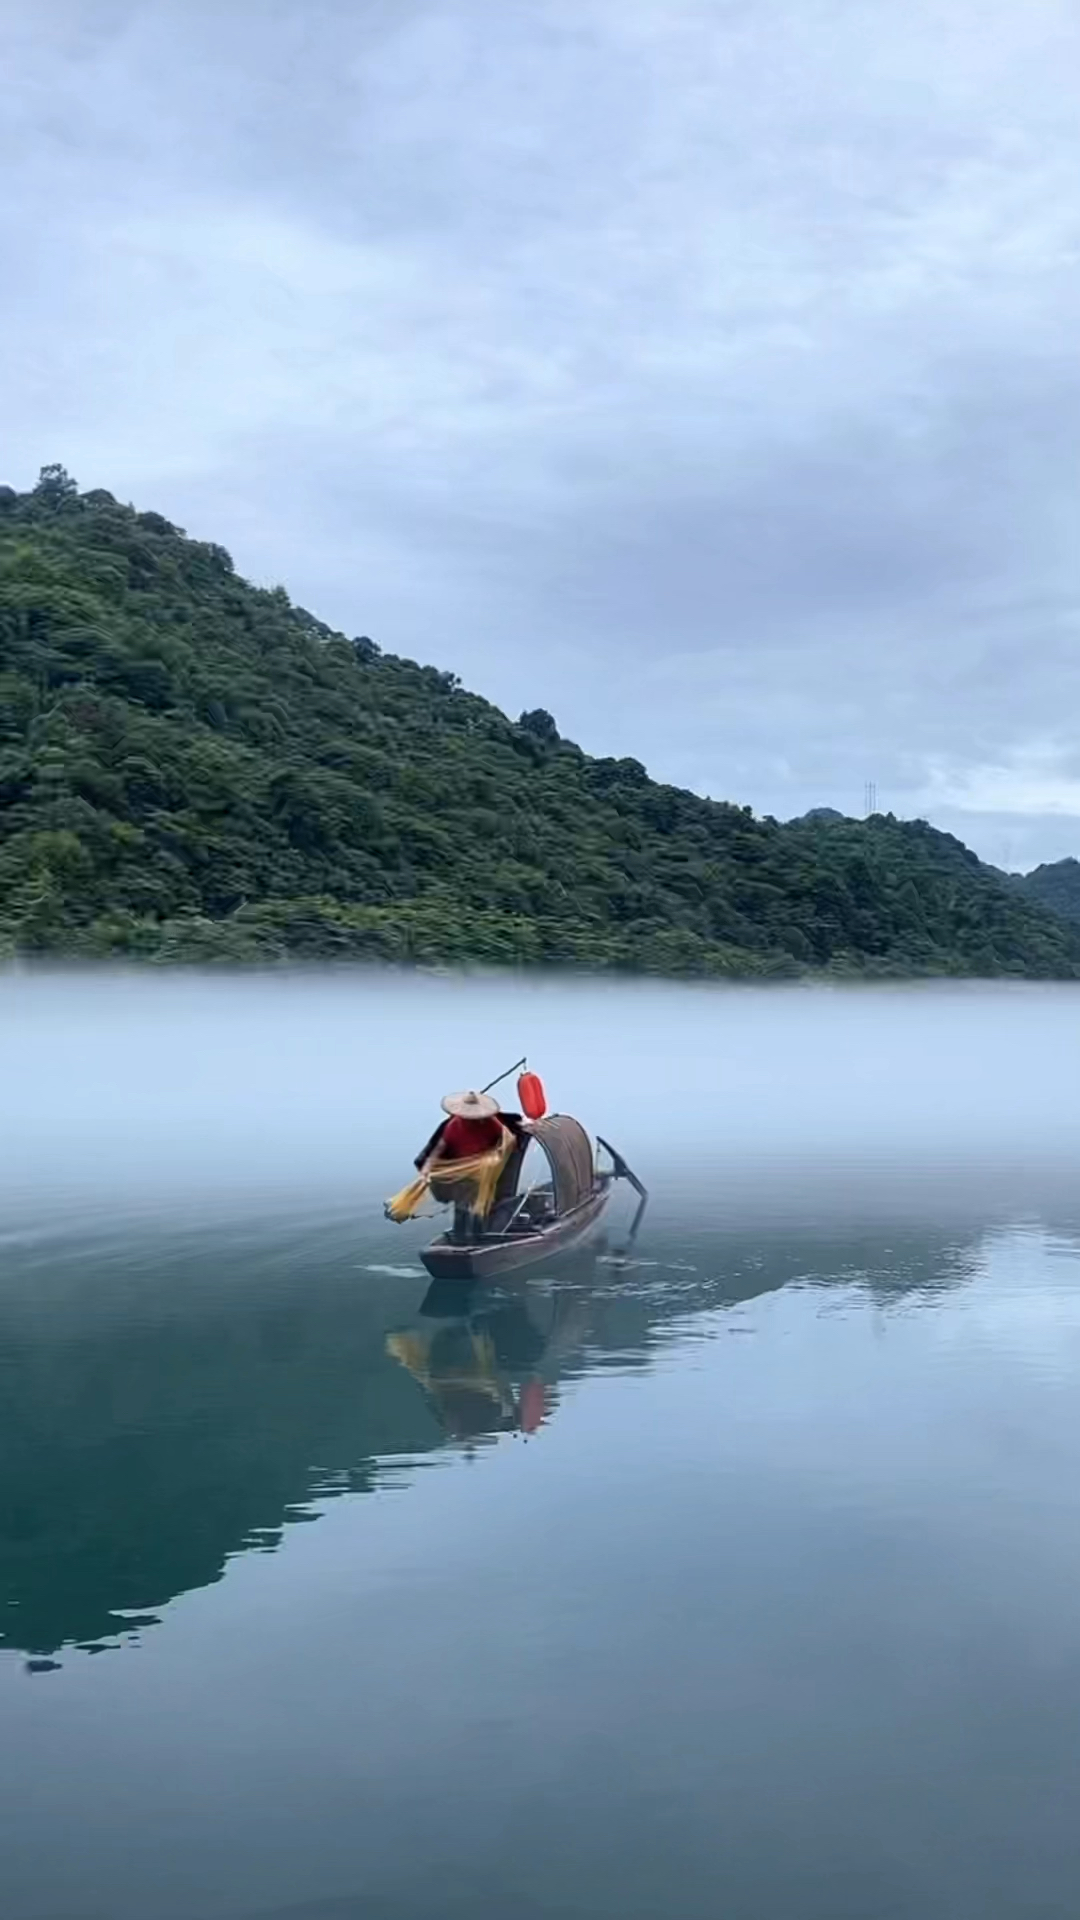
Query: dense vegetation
(192, 768)
(1056, 886)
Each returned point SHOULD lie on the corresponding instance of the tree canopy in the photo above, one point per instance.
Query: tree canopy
(193, 769)
(1056, 885)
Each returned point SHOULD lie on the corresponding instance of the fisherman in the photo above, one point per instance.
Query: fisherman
(474, 1126)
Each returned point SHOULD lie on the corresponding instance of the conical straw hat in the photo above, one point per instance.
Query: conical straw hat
(470, 1106)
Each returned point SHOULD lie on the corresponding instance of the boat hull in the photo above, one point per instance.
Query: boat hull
(508, 1253)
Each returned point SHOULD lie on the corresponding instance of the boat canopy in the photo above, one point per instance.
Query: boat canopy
(570, 1157)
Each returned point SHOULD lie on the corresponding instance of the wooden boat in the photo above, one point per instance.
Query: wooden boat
(544, 1219)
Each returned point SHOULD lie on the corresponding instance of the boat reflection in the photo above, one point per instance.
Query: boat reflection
(487, 1363)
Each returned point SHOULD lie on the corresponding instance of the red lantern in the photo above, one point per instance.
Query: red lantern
(531, 1407)
(532, 1096)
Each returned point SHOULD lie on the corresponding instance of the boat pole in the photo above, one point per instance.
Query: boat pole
(523, 1062)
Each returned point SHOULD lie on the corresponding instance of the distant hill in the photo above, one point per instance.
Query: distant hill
(824, 816)
(191, 768)
(1057, 886)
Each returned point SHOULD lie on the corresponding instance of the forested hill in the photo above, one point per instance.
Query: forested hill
(192, 768)
(1056, 885)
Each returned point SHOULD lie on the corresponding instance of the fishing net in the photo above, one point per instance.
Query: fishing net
(471, 1183)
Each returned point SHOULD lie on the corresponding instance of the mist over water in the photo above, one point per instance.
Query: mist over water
(192, 1094)
(739, 1578)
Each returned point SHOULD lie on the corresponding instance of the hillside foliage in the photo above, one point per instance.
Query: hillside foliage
(193, 769)
(1057, 886)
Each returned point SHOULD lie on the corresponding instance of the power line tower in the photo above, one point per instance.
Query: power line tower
(869, 799)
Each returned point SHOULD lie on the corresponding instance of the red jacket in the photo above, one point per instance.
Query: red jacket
(462, 1138)
(511, 1121)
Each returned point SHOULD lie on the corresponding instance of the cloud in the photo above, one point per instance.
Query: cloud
(705, 372)
(1037, 783)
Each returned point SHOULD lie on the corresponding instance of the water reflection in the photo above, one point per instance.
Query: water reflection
(167, 1405)
(477, 1364)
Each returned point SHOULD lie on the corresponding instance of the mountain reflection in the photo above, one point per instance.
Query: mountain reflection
(166, 1407)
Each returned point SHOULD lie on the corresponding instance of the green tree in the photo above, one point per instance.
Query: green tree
(194, 768)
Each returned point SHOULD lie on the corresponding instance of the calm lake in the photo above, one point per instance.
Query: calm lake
(741, 1579)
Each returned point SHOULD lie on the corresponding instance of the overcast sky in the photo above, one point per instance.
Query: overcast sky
(705, 371)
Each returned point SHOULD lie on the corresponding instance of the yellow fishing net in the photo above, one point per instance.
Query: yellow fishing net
(480, 1172)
